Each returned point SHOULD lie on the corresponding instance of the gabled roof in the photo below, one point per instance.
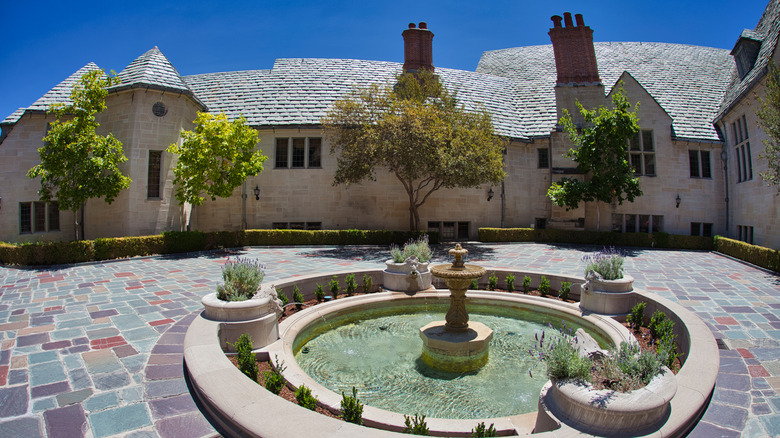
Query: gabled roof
(59, 94)
(298, 92)
(688, 82)
(766, 31)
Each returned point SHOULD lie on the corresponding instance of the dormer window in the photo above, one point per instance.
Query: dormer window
(745, 52)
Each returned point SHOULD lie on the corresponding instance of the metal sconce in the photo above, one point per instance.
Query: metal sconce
(257, 193)
(490, 194)
(677, 200)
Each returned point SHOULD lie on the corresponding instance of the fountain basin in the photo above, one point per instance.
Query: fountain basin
(456, 352)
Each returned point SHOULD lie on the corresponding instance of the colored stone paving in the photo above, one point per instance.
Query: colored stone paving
(96, 349)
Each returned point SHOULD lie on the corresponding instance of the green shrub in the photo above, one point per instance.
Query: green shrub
(283, 297)
(544, 286)
(564, 362)
(757, 255)
(656, 321)
(397, 254)
(368, 283)
(319, 294)
(351, 285)
(274, 380)
(565, 290)
(183, 241)
(247, 363)
(242, 279)
(351, 408)
(492, 282)
(667, 350)
(481, 431)
(297, 297)
(637, 316)
(304, 398)
(416, 425)
(526, 284)
(510, 286)
(474, 284)
(334, 286)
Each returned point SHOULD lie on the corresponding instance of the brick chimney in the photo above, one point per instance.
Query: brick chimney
(418, 48)
(575, 57)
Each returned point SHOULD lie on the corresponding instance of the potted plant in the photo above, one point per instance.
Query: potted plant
(606, 289)
(244, 305)
(407, 270)
(602, 393)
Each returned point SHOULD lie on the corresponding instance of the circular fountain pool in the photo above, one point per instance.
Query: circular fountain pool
(379, 352)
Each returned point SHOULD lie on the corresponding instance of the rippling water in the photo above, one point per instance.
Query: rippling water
(380, 356)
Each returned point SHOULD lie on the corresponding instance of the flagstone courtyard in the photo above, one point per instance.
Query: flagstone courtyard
(96, 349)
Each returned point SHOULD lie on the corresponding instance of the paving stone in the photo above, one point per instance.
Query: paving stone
(165, 388)
(46, 356)
(13, 401)
(132, 395)
(50, 389)
(102, 333)
(184, 426)
(172, 406)
(771, 424)
(27, 427)
(735, 398)
(159, 372)
(101, 361)
(48, 372)
(66, 422)
(736, 382)
(134, 364)
(74, 323)
(16, 377)
(121, 419)
(142, 434)
(99, 402)
(726, 416)
(114, 380)
(34, 339)
(43, 404)
(72, 397)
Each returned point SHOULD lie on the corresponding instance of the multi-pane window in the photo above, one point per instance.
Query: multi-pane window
(637, 223)
(701, 229)
(153, 174)
(296, 225)
(38, 217)
(745, 233)
(544, 158)
(699, 162)
(450, 230)
(742, 150)
(642, 153)
(298, 153)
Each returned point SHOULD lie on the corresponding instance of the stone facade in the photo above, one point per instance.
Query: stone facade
(686, 117)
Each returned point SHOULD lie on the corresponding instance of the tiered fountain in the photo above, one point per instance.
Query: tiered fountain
(455, 345)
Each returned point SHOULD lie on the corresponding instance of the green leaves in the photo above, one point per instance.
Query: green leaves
(418, 132)
(76, 163)
(215, 158)
(601, 152)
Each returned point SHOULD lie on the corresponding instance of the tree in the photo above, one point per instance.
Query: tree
(76, 163)
(215, 158)
(601, 153)
(419, 133)
(769, 120)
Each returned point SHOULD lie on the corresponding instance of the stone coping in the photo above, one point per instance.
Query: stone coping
(246, 409)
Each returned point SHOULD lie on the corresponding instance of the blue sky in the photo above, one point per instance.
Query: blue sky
(46, 41)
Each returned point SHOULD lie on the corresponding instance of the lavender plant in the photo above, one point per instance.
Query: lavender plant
(242, 279)
(608, 263)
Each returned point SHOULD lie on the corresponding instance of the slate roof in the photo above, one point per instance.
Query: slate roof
(766, 31)
(688, 82)
(298, 92)
(59, 94)
(152, 70)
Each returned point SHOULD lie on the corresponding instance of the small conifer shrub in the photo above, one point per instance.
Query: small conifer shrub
(416, 425)
(510, 285)
(526, 284)
(304, 398)
(351, 408)
(297, 297)
(492, 282)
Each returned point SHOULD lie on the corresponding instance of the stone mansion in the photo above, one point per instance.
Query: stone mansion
(697, 154)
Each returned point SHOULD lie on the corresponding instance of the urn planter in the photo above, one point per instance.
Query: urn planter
(406, 277)
(257, 316)
(607, 297)
(605, 412)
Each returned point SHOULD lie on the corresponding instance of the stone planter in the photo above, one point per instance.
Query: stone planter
(608, 297)
(402, 277)
(257, 316)
(605, 412)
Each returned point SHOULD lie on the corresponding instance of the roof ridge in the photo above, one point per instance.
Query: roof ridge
(152, 69)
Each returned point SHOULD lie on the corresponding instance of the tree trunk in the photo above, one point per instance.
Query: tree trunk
(598, 217)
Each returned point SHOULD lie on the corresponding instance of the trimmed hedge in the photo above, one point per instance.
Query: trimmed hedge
(757, 255)
(174, 242)
(605, 238)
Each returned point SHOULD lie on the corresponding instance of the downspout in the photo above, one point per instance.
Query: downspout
(503, 205)
(243, 206)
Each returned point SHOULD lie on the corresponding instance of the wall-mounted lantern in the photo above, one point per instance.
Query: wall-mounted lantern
(490, 194)
(677, 200)
(257, 193)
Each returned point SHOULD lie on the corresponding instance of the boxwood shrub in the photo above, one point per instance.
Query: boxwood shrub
(757, 255)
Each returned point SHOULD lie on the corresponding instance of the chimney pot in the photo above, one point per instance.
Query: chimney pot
(556, 20)
(580, 21)
(567, 19)
(418, 48)
(412, 25)
(423, 25)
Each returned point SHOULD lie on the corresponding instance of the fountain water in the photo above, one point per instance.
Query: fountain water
(455, 345)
